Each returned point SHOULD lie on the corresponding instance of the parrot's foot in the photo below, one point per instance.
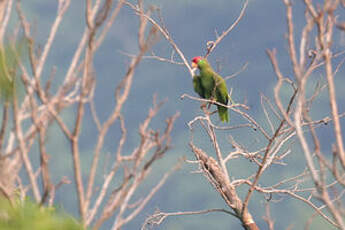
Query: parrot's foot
(211, 103)
(206, 106)
(211, 113)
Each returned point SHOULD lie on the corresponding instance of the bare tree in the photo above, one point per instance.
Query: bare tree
(286, 123)
(26, 120)
(288, 120)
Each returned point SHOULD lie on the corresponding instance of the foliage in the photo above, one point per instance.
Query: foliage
(30, 216)
(8, 66)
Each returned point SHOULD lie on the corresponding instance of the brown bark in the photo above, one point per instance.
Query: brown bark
(217, 178)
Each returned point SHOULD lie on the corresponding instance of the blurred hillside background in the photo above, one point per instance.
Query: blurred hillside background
(191, 24)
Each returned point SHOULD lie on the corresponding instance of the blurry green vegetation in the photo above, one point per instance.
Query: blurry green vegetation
(10, 56)
(31, 216)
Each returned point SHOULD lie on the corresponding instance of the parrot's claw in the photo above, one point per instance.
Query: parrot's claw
(211, 113)
(210, 103)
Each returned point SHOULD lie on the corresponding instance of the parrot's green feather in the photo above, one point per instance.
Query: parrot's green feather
(197, 86)
(223, 113)
(210, 85)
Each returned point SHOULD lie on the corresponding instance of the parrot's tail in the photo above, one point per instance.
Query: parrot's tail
(223, 113)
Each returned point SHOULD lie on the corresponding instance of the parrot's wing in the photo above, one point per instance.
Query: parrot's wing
(221, 90)
(198, 87)
(222, 97)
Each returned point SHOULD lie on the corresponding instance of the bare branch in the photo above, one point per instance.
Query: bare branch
(159, 217)
(212, 44)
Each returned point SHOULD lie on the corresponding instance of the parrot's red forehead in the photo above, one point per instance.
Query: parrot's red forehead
(196, 59)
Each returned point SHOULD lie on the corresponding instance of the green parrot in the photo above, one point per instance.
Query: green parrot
(210, 85)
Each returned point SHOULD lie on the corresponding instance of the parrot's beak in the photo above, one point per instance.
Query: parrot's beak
(194, 67)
